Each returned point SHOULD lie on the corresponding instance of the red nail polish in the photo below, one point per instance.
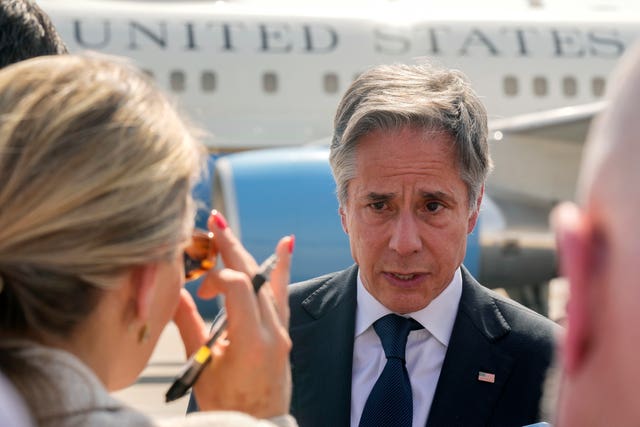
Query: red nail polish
(292, 243)
(221, 223)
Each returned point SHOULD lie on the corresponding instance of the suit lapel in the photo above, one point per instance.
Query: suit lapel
(323, 353)
(461, 398)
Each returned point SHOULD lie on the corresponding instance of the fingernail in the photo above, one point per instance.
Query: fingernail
(219, 220)
(292, 243)
(200, 291)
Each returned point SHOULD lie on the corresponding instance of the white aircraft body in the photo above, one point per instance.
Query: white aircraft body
(264, 74)
(271, 73)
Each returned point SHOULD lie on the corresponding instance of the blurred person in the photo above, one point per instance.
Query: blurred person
(13, 412)
(95, 211)
(406, 336)
(598, 242)
(25, 32)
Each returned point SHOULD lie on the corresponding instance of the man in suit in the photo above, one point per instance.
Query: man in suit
(410, 157)
(599, 244)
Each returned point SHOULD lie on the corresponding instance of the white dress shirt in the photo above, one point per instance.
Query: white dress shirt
(425, 351)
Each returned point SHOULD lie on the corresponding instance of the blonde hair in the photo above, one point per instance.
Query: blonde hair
(96, 170)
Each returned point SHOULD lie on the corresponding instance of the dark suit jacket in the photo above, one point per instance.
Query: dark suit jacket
(490, 334)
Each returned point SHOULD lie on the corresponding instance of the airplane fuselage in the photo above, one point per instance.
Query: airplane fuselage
(258, 78)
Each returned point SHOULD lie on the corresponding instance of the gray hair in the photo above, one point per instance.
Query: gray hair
(391, 97)
(96, 170)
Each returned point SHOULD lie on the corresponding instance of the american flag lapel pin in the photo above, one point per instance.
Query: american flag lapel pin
(486, 377)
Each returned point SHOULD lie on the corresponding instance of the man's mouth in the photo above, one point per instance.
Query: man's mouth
(403, 276)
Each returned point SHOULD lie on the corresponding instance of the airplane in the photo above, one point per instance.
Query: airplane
(260, 74)
(271, 73)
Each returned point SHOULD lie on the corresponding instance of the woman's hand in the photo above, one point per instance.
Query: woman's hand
(249, 370)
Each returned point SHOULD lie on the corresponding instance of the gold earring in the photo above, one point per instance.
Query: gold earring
(143, 334)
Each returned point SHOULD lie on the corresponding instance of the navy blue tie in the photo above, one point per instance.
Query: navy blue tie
(390, 402)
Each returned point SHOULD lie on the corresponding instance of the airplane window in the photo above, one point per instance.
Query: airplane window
(598, 86)
(330, 83)
(510, 85)
(569, 86)
(270, 82)
(177, 81)
(208, 81)
(540, 86)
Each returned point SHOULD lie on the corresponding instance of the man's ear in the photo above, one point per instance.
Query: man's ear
(343, 219)
(143, 284)
(575, 242)
(473, 218)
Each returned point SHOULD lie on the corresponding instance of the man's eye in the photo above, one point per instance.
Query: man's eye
(433, 206)
(377, 206)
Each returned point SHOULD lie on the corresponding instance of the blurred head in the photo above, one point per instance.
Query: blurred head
(599, 245)
(410, 158)
(97, 170)
(26, 31)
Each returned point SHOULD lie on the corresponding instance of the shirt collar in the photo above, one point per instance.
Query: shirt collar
(438, 317)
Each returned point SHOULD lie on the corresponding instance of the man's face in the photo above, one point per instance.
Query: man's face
(407, 215)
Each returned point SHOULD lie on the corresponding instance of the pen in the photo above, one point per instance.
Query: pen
(196, 363)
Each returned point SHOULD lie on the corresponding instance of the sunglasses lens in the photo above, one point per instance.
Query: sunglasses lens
(200, 255)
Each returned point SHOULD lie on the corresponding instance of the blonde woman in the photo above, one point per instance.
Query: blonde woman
(96, 170)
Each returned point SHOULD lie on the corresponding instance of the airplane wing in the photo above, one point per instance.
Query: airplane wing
(568, 124)
(537, 156)
(536, 159)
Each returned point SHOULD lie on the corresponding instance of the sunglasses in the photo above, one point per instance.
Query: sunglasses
(200, 255)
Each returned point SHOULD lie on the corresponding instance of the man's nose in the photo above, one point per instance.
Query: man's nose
(405, 236)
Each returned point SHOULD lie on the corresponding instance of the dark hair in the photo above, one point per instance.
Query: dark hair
(25, 32)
